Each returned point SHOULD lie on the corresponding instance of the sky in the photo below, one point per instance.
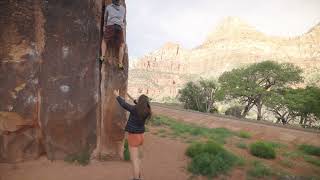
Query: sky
(151, 23)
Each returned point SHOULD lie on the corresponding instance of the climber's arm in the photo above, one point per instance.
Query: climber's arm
(130, 97)
(123, 103)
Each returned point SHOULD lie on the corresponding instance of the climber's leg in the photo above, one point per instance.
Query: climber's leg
(121, 54)
(103, 50)
(108, 35)
(134, 156)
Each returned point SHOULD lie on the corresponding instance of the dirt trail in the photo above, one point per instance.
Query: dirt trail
(260, 131)
(163, 159)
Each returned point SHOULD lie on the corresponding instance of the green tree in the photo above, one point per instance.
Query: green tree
(281, 104)
(200, 95)
(305, 102)
(289, 104)
(252, 84)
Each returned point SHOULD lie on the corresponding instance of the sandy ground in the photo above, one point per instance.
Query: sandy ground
(162, 159)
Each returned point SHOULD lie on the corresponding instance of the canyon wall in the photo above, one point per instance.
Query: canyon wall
(232, 44)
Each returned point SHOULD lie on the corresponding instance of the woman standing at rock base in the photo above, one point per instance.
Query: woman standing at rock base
(135, 127)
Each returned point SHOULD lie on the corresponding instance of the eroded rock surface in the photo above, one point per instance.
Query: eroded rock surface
(49, 75)
(110, 125)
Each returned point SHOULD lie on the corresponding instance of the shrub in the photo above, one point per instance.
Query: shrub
(198, 148)
(234, 111)
(244, 134)
(159, 121)
(242, 145)
(275, 144)
(286, 163)
(126, 153)
(259, 170)
(312, 160)
(199, 96)
(220, 134)
(210, 159)
(309, 149)
(262, 150)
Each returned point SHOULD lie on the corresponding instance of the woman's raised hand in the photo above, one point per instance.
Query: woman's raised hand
(116, 92)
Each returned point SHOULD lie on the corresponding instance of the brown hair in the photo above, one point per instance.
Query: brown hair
(144, 108)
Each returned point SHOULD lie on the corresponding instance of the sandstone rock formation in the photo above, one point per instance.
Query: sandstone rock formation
(233, 44)
(111, 123)
(49, 75)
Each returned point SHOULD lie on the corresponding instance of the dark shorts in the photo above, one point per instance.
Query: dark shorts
(113, 35)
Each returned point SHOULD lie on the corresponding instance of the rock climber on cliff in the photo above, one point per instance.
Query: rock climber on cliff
(139, 114)
(114, 22)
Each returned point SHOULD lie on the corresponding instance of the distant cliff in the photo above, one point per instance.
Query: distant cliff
(233, 44)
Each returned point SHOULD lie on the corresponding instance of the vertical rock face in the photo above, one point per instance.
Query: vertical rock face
(19, 72)
(68, 77)
(110, 126)
(49, 76)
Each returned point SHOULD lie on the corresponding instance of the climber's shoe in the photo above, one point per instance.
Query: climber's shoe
(120, 66)
(102, 58)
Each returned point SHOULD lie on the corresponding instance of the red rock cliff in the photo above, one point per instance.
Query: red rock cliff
(49, 75)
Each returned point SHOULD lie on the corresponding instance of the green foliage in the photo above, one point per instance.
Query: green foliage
(259, 170)
(312, 160)
(181, 129)
(286, 163)
(159, 121)
(310, 149)
(263, 150)
(126, 152)
(275, 144)
(288, 104)
(244, 134)
(242, 145)
(305, 103)
(252, 84)
(293, 154)
(82, 158)
(234, 111)
(210, 159)
(199, 96)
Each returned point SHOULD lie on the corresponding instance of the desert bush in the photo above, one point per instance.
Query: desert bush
(234, 111)
(263, 150)
(242, 145)
(210, 159)
(244, 134)
(312, 160)
(259, 170)
(126, 153)
(199, 96)
(310, 149)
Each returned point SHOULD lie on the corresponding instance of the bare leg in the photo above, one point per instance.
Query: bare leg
(103, 47)
(121, 54)
(134, 155)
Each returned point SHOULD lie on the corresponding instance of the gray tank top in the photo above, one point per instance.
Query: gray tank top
(116, 15)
